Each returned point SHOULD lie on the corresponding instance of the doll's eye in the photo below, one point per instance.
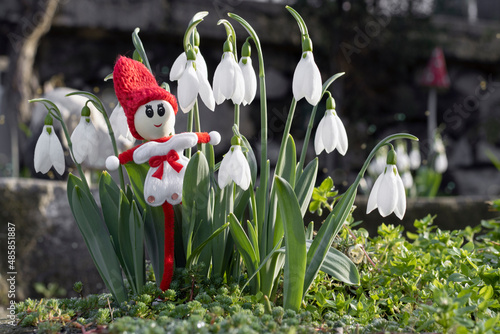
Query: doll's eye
(161, 110)
(149, 111)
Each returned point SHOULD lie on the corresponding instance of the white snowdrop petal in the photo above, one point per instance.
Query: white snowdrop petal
(241, 172)
(414, 159)
(79, 142)
(188, 88)
(314, 85)
(239, 86)
(178, 67)
(330, 132)
(224, 178)
(225, 73)
(56, 154)
(250, 79)
(342, 143)
(92, 143)
(201, 65)
(386, 195)
(205, 90)
(400, 208)
(318, 139)
(299, 78)
(441, 163)
(372, 199)
(119, 124)
(41, 158)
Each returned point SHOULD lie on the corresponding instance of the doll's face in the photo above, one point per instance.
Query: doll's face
(154, 120)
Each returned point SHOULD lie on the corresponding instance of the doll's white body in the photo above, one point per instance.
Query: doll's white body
(167, 167)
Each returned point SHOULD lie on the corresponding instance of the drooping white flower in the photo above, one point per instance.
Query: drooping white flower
(415, 158)
(48, 150)
(330, 134)
(407, 179)
(191, 73)
(234, 168)
(307, 77)
(440, 160)
(228, 78)
(441, 163)
(249, 76)
(84, 139)
(119, 124)
(388, 192)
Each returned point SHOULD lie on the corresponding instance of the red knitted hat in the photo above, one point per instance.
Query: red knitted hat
(135, 86)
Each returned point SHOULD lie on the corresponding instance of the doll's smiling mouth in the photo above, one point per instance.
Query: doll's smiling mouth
(158, 125)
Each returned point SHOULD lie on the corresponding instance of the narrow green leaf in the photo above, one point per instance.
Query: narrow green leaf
(124, 241)
(196, 253)
(339, 266)
(96, 238)
(295, 245)
(290, 162)
(109, 194)
(136, 230)
(243, 244)
(305, 185)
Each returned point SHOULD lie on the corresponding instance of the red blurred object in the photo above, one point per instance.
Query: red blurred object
(435, 74)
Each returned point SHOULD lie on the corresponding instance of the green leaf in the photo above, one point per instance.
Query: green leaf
(124, 240)
(243, 245)
(96, 238)
(295, 245)
(305, 185)
(154, 223)
(109, 194)
(136, 230)
(196, 189)
(339, 266)
(222, 206)
(290, 162)
(196, 253)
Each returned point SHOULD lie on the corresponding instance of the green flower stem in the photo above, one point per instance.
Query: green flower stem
(231, 35)
(197, 123)
(189, 128)
(197, 18)
(263, 96)
(237, 116)
(300, 21)
(303, 153)
(100, 107)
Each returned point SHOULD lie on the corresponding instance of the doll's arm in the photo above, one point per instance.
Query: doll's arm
(208, 138)
(113, 162)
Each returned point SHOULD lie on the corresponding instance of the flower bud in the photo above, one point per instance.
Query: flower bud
(235, 141)
(330, 103)
(190, 53)
(228, 46)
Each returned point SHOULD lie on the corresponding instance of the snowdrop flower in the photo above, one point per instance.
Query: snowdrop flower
(388, 192)
(307, 78)
(407, 179)
(48, 150)
(229, 82)
(84, 139)
(440, 161)
(331, 133)
(234, 167)
(403, 158)
(119, 124)
(415, 158)
(248, 72)
(190, 71)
